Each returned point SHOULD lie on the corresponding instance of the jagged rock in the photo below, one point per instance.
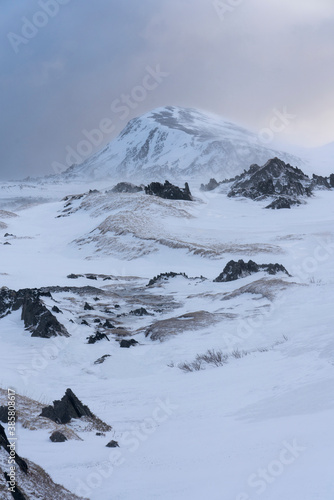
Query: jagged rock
(67, 408)
(4, 443)
(112, 444)
(107, 324)
(126, 187)
(84, 322)
(91, 277)
(169, 191)
(7, 243)
(331, 180)
(164, 277)
(102, 359)
(7, 235)
(140, 312)
(16, 493)
(235, 270)
(95, 338)
(4, 414)
(282, 202)
(128, 343)
(320, 181)
(58, 437)
(56, 310)
(97, 320)
(273, 178)
(210, 186)
(75, 276)
(87, 307)
(37, 318)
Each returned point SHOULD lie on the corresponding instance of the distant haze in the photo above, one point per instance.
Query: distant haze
(78, 71)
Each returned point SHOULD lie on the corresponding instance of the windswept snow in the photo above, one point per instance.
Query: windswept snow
(261, 424)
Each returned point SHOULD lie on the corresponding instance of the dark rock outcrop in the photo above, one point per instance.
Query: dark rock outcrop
(58, 437)
(282, 202)
(36, 316)
(112, 444)
(164, 277)
(140, 312)
(4, 414)
(273, 178)
(126, 187)
(320, 181)
(92, 339)
(331, 180)
(87, 307)
(169, 191)
(235, 270)
(278, 180)
(128, 343)
(56, 309)
(4, 443)
(107, 324)
(210, 186)
(67, 408)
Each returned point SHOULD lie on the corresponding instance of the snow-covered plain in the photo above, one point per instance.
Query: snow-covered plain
(258, 427)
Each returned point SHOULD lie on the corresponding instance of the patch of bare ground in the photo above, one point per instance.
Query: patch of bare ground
(266, 288)
(162, 330)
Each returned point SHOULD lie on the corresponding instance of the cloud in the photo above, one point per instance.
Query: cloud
(260, 56)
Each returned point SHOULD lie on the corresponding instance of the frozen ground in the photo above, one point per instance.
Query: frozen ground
(258, 427)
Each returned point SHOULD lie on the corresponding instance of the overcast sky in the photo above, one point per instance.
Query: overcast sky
(240, 59)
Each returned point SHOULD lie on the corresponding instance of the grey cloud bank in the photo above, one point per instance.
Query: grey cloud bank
(64, 62)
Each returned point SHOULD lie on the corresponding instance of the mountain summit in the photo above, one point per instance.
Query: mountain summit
(177, 143)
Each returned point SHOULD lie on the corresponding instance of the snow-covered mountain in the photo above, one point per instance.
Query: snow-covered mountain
(192, 335)
(178, 143)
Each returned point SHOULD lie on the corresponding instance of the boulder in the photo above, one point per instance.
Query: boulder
(140, 312)
(58, 437)
(112, 444)
(128, 343)
(56, 310)
(87, 307)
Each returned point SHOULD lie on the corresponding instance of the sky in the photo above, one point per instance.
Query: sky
(69, 68)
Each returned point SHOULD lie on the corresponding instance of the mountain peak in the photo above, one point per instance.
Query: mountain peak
(179, 144)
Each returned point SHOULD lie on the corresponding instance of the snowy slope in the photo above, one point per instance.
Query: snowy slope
(177, 143)
(209, 433)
